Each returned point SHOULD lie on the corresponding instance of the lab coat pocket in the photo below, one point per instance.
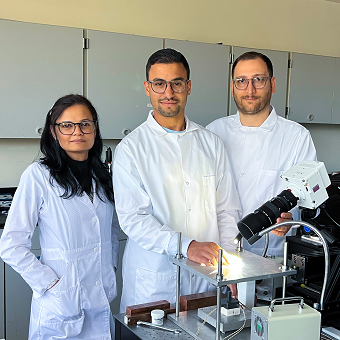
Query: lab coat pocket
(62, 302)
(67, 329)
(109, 276)
(209, 190)
(153, 286)
(270, 183)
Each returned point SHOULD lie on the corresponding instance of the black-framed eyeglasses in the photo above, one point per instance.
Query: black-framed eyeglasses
(68, 128)
(160, 85)
(257, 82)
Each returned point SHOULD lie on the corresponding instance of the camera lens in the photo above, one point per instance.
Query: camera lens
(266, 215)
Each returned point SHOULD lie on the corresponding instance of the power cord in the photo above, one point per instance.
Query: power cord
(205, 320)
(240, 329)
(242, 306)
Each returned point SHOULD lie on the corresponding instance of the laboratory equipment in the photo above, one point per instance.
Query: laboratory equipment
(295, 321)
(243, 267)
(305, 184)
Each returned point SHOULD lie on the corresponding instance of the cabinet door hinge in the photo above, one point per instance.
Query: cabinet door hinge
(290, 63)
(231, 58)
(287, 111)
(86, 42)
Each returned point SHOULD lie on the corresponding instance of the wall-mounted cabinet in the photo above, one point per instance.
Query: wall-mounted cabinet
(311, 88)
(39, 64)
(336, 96)
(116, 72)
(280, 66)
(209, 73)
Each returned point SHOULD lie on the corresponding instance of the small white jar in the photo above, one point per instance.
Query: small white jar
(157, 316)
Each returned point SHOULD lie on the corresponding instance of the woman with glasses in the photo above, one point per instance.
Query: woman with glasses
(69, 195)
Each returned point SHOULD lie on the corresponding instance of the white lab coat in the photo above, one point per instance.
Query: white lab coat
(79, 247)
(258, 156)
(165, 183)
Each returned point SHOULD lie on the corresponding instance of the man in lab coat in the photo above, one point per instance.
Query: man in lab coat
(171, 175)
(261, 145)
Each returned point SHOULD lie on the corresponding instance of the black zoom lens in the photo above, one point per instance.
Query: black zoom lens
(266, 215)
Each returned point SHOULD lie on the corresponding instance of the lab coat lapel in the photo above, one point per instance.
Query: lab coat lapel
(87, 201)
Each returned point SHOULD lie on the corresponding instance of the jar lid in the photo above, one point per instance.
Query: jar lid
(157, 313)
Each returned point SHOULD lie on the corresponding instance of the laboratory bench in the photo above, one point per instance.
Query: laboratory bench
(190, 319)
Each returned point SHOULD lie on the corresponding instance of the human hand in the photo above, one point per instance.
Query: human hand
(283, 230)
(233, 288)
(204, 252)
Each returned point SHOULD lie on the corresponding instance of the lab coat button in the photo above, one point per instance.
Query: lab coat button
(189, 210)
(242, 173)
(187, 183)
(97, 283)
(95, 250)
(94, 219)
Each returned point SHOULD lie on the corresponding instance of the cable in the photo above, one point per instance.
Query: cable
(331, 217)
(242, 306)
(205, 320)
(240, 329)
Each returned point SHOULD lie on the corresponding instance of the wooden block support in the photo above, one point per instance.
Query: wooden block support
(146, 307)
(195, 301)
(132, 320)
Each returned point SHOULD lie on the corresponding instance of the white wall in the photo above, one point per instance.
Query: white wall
(307, 26)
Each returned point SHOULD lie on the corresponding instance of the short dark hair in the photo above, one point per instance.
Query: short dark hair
(167, 56)
(251, 55)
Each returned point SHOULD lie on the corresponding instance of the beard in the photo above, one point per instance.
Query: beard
(170, 112)
(262, 103)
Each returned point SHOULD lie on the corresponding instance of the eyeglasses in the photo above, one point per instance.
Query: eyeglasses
(257, 82)
(68, 128)
(160, 85)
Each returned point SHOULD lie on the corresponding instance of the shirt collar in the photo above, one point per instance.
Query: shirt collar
(158, 129)
(267, 125)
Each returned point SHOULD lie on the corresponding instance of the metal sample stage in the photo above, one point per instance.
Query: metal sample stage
(243, 267)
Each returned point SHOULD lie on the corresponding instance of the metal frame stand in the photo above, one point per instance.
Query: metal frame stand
(254, 267)
(219, 277)
(178, 278)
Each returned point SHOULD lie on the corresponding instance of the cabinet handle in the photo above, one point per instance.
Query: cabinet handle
(39, 130)
(125, 132)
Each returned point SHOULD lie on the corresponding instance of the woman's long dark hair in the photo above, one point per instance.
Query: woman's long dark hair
(55, 157)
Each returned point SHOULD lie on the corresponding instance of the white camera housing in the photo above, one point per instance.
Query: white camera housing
(307, 181)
